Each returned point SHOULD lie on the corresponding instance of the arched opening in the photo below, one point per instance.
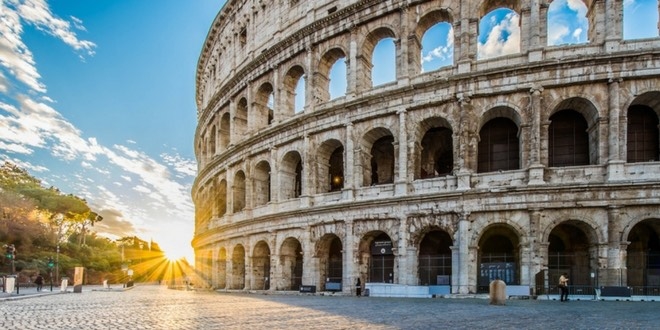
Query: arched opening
(640, 19)
(222, 269)
(294, 90)
(434, 259)
(643, 137)
(336, 169)
(291, 175)
(570, 251)
(379, 164)
(291, 259)
(239, 192)
(567, 23)
(438, 47)
(498, 146)
(238, 268)
(261, 266)
(499, 34)
(437, 154)
(499, 257)
(568, 139)
(241, 118)
(212, 142)
(262, 183)
(384, 62)
(330, 253)
(338, 79)
(377, 258)
(643, 257)
(225, 131)
(330, 166)
(331, 78)
(221, 196)
(263, 107)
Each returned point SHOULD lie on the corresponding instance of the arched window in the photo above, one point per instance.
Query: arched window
(437, 157)
(498, 146)
(567, 22)
(241, 118)
(384, 62)
(382, 161)
(499, 34)
(642, 134)
(239, 192)
(262, 183)
(438, 47)
(568, 140)
(640, 19)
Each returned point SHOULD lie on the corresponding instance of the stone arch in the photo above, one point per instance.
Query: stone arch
(212, 141)
(221, 197)
(330, 250)
(499, 255)
(573, 133)
(365, 61)
(261, 266)
(643, 253)
(262, 183)
(238, 268)
(239, 192)
(499, 143)
(225, 131)
(435, 155)
(291, 261)
(572, 249)
(642, 134)
(330, 174)
(434, 257)
(291, 175)
(376, 258)
(379, 163)
(263, 107)
(322, 76)
(427, 22)
(222, 269)
(289, 85)
(241, 117)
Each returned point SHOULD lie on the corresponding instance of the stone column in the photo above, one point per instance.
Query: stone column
(306, 190)
(615, 164)
(615, 264)
(309, 275)
(309, 81)
(460, 281)
(613, 24)
(402, 52)
(535, 166)
(402, 267)
(352, 65)
(534, 259)
(402, 176)
(463, 174)
(233, 135)
(349, 164)
(350, 270)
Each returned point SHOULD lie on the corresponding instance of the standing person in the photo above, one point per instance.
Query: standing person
(39, 281)
(563, 286)
(358, 287)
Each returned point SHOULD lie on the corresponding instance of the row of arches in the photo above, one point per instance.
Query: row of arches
(331, 76)
(572, 247)
(571, 134)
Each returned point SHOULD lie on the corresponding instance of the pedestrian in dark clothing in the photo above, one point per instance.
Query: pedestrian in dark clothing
(39, 281)
(358, 288)
(563, 286)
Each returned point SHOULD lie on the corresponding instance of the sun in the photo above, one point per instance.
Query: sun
(173, 255)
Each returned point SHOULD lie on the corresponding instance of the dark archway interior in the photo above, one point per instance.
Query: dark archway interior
(569, 253)
(434, 260)
(643, 257)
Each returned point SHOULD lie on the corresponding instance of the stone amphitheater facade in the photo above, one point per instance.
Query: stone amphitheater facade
(519, 167)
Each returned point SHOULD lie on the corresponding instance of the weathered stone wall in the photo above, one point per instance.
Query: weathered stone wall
(250, 165)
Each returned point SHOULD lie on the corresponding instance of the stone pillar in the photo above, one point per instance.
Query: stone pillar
(309, 275)
(402, 51)
(233, 135)
(460, 282)
(615, 265)
(402, 266)
(350, 270)
(613, 24)
(349, 164)
(352, 65)
(309, 81)
(535, 166)
(534, 260)
(596, 22)
(305, 194)
(463, 175)
(615, 163)
(402, 175)
(274, 177)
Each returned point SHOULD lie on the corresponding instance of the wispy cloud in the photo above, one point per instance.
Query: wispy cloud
(567, 22)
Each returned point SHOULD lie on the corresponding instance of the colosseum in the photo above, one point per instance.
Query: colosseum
(520, 167)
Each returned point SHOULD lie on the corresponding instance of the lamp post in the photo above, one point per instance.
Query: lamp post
(57, 264)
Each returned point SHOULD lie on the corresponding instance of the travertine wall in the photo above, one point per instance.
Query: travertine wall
(262, 181)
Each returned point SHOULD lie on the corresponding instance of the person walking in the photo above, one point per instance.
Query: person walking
(563, 286)
(39, 281)
(358, 287)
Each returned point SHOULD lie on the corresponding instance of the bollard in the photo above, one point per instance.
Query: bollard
(497, 292)
(65, 284)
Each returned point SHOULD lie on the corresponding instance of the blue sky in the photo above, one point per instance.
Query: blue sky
(97, 97)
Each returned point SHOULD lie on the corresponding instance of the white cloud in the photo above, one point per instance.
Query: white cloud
(495, 44)
(442, 52)
(187, 167)
(142, 189)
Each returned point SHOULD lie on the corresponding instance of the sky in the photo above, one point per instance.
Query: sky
(97, 97)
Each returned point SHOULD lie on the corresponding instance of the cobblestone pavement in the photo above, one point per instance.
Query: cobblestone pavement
(155, 307)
